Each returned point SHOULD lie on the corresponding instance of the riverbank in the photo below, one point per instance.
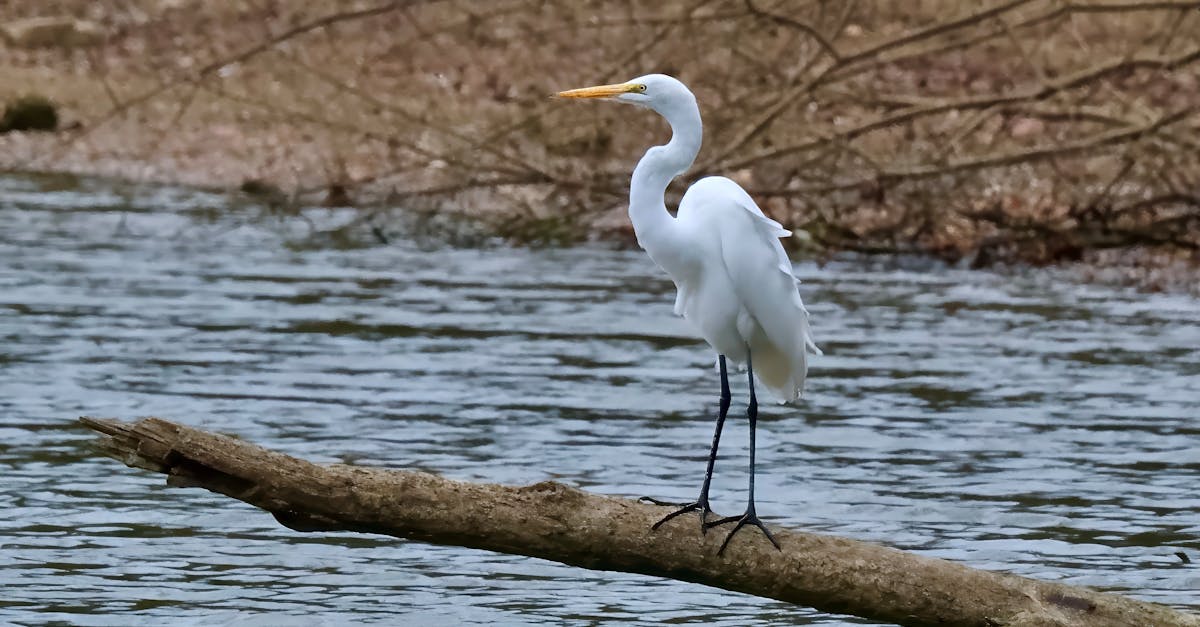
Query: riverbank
(1005, 136)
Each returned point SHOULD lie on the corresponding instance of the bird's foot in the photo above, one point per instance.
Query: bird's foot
(748, 518)
(701, 505)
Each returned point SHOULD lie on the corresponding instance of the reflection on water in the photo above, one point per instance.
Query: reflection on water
(1010, 422)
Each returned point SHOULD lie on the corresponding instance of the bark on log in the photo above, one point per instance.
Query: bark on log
(556, 522)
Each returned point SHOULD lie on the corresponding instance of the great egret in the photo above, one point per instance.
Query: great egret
(733, 278)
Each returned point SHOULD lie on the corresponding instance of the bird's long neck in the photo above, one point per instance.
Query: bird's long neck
(653, 225)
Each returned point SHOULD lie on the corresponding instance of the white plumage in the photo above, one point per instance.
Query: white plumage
(744, 296)
(734, 280)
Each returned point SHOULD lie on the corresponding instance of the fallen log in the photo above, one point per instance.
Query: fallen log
(556, 522)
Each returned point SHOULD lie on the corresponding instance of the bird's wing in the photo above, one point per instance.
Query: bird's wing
(722, 187)
(752, 254)
(713, 188)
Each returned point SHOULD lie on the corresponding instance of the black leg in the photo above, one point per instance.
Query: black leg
(701, 504)
(750, 517)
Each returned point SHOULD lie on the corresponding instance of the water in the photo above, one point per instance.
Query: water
(1010, 422)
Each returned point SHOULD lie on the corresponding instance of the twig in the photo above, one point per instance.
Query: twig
(983, 102)
(242, 56)
(816, 35)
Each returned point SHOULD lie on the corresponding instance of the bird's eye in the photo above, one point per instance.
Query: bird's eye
(641, 88)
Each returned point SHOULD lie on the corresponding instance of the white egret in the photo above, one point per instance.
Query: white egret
(734, 280)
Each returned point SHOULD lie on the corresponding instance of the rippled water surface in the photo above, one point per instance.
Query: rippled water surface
(1011, 422)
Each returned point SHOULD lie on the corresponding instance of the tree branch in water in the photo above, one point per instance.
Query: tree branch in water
(556, 522)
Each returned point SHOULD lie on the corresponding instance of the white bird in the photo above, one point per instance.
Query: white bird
(733, 278)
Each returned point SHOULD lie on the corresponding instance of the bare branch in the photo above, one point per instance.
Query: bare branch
(825, 44)
(991, 161)
(935, 107)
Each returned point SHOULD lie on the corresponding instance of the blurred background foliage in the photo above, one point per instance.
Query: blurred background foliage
(1017, 130)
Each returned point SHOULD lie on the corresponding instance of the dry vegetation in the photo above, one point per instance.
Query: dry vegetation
(1014, 130)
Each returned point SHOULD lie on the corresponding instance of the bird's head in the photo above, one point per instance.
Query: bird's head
(653, 91)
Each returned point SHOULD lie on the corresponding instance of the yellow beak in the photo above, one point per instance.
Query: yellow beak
(599, 91)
